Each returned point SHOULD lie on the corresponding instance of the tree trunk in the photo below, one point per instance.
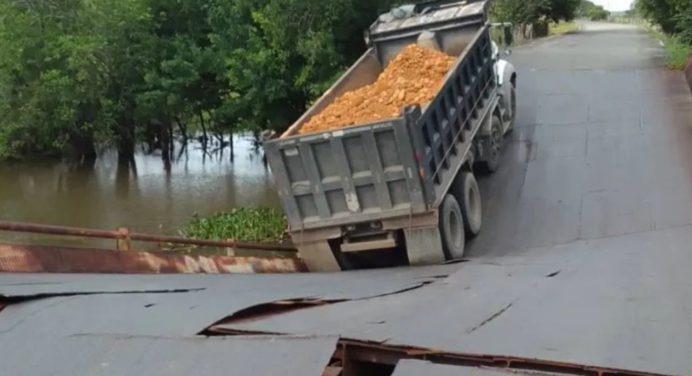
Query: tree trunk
(204, 131)
(230, 143)
(126, 144)
(182, 128)
(165, 138)
(83, 148)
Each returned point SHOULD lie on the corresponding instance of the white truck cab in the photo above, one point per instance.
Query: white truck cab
(507, 84)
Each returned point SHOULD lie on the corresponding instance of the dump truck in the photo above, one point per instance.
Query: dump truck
(400, 190)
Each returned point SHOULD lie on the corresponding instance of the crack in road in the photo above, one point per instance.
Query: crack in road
(491, 318)
(280, 307)
(9, 300)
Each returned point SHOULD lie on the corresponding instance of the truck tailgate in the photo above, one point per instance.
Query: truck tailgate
(350, 175)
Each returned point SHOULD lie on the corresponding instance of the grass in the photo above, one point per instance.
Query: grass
(243, 224)
(562, 28)
(677, 51)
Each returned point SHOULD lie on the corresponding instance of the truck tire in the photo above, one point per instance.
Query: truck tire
(452, 228)
(492, 145)
(469, 197)
(513, 108)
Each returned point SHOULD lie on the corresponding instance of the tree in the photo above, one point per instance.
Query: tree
(684, 24)
(671, 15)
(282, 54)
(521, 12)
(563, 10)
(75, 74)
(67, 68)
(594, 12)
(526, 12)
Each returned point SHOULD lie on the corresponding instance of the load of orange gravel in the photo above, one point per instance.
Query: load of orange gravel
(414, 76)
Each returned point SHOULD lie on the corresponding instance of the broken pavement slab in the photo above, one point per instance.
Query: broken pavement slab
(413, 367)
(337, 285)
(157, 356)
(620, 302)
(139, 305)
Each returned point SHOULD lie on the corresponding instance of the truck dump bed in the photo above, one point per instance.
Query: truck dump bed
(397, 167)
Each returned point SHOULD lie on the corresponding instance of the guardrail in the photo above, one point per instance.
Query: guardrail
(15, 258)
(124, 237)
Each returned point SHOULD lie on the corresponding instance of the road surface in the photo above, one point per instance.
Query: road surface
(603, 146)
(584, 257)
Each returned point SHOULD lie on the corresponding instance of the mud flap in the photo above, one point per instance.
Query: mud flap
(318, 257)
(424, 246)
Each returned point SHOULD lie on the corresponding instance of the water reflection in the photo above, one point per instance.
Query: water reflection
(147, 195)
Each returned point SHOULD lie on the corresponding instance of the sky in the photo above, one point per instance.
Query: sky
(614, 5)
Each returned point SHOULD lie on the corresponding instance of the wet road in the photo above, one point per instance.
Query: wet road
(584, 257)
(603, 145)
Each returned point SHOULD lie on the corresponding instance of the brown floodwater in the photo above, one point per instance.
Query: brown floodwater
(147, 198)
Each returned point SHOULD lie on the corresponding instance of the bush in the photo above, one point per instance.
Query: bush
(677, 52)
(245, 224)
(596, 14)
(684, 22)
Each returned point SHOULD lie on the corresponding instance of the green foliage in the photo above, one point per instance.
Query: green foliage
(684, 23)
(247, 224)
(63, 67)
(533, 11)
(519, 11)
(588, 9)
(564, 10)
(281, 54)
(76, 73)
(563, 28)
(677, 50)
(673, 16)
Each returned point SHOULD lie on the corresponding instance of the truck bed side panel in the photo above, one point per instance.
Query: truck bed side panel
(443, 133)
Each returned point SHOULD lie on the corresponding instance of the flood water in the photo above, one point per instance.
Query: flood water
(145, 199)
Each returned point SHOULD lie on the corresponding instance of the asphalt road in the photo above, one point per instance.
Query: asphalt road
(584, 257)
(603, 145)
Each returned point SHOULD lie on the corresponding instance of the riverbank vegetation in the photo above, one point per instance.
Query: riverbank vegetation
(673, 21)
(246, 224)
(77, 74)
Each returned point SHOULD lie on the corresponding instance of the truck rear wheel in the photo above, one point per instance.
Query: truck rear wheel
(469, 197)
(452, 228)
(492, 145)
(513, 107)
